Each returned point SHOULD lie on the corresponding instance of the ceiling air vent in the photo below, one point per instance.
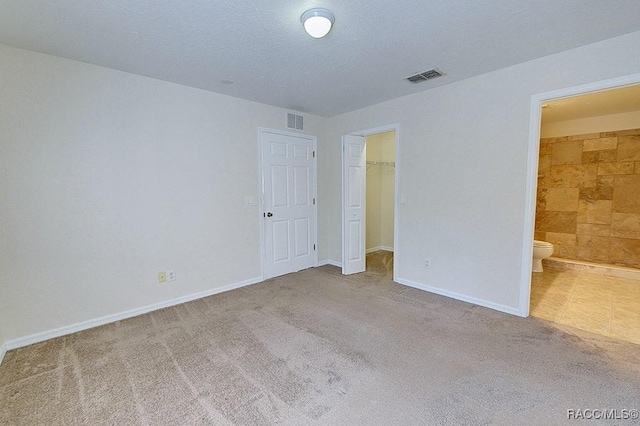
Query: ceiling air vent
(295, 121)
(424, 76)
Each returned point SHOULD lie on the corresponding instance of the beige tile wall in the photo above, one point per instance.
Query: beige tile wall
(589, 197)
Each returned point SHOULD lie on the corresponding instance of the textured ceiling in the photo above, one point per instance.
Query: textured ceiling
(261, 46)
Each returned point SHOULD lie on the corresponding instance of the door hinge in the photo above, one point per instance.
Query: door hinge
(314, 154)
(314, 201)
(314, 247)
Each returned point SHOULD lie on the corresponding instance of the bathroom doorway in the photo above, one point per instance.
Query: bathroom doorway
(587, 204)
(370, 170)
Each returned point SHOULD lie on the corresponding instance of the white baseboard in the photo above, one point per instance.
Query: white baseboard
(62, 331)
(383, 248)
(462, 297)
(330, 262)
(3, 351)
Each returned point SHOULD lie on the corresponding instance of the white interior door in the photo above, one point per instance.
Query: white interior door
(354, 174)
(289, 211)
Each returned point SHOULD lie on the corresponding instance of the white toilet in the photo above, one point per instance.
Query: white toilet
(541, 250)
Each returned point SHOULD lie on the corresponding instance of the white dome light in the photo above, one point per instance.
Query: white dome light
(317, 22)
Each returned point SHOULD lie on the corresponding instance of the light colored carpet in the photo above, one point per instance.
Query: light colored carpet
(318, 348)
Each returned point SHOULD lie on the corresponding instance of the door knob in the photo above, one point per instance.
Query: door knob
(269, 214)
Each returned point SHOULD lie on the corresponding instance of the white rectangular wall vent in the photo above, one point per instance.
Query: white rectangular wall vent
(295, 121)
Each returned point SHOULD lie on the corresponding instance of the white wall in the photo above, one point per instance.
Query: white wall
(107, 178)
(462, 167)
(380, 191)
(601, 123)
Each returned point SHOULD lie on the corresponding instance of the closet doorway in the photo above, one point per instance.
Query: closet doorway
(369, 199)
(381, 178)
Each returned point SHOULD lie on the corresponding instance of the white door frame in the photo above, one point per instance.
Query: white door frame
(396, 247)
(314, 188)
(532, 169)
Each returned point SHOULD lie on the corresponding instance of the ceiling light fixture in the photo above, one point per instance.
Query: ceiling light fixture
(317, 22)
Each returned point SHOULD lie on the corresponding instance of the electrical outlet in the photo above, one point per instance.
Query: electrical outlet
(171, 276)
(427, 263)
(162, 277)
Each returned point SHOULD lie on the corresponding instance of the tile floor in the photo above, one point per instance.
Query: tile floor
(604, 305)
